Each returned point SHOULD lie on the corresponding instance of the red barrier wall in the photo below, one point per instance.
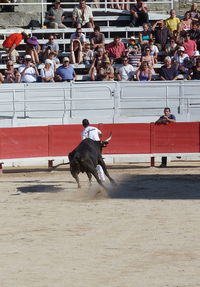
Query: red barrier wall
(126, 139)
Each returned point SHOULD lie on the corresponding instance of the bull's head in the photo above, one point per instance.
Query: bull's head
(105, 142)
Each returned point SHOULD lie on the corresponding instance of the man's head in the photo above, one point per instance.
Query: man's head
(167, 111)
(181, 50)
(125, 61)
(173, 13)
(57, 3)
(66, 61)
(167, 61)
(116, 40)
(51, 38)
(187, 37)
(96, 30)
(85, 123)
(82, 3)
(78, 31)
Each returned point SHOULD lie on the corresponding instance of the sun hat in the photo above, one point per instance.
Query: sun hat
(27, 57)
(32, 41)
(65, 59)
(181, 48)
(48, 61)
(132, 38)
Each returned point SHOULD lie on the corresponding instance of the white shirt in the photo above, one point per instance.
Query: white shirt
(126, 72)
(81, 38)
(29, 75)
(92, 133)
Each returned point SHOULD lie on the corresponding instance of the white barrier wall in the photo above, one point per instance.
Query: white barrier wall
(106, 102)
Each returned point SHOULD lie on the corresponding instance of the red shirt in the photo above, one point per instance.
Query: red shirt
(190, 46)
(116, 51)
(15, 38)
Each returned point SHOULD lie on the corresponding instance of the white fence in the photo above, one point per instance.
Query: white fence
(101, 102)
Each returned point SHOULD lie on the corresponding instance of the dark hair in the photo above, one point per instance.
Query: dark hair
(97, 28)
(85, 123)
(167, 109)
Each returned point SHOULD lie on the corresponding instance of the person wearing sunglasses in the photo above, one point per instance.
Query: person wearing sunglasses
(29, 72)
(65, 73)
(11, 75)
(50, 46)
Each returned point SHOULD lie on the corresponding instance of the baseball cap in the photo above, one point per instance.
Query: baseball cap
(65, 59)
(27, 57)
(181, 48)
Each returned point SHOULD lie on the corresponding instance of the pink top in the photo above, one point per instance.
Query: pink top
(116, 51)
(190, 46)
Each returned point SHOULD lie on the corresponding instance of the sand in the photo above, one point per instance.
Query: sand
(143, 232)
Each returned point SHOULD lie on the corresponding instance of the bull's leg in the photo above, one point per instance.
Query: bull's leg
(102, 163)
(92, 170)
(75, 175)
(89, 177)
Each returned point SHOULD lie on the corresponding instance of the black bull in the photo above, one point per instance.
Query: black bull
(85, 157)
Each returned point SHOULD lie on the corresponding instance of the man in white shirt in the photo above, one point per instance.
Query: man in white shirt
(82, 16)
(90, 132)
(126, 71)
(28, 71)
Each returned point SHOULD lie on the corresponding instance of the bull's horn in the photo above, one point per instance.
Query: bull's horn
(109, 138)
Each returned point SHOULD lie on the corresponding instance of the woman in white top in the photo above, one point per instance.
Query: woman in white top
(47, 73)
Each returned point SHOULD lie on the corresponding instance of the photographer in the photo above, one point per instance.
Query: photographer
(28, 71)
(50, 47)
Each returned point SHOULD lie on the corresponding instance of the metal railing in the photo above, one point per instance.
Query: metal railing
(103, 5)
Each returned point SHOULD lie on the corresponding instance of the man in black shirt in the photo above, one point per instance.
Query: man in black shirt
(168, 72)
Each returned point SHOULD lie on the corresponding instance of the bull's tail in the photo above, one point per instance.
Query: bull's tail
(66, 163)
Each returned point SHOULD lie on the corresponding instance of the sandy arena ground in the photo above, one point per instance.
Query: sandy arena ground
(143, 233)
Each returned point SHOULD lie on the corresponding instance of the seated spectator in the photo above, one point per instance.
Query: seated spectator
(116, 49)
(194, 73)
(131, 44)
(194, 13)
(195, 58)
(33, 49)
(126, 71)
(189, 45)
(145, 35)
(134, 56)
(78, 35)
(28, 71)
(139, 14)
(87, 54)
(11, 75)
(50, 47)
(97, 39)
(77, 41)
(1, 78)
(153, 50)
(65, 73)
(149, 59)
(106, 71)
(47, 73)
(168, 71)
(96, 63)
(55, 15)
(162, 34)
(195, 34)
(184, 25)
(114, 4)
(144, 72)
(82, 15)
(182, 62)
(171, 47)
(54, 60)
(10, 44)
(125, 5)
(172, 22)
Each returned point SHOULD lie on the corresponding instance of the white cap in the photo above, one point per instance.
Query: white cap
(65, 59)
(48, 61)
(181, 48)
(132, 38)
(196, 53)
(27, 57)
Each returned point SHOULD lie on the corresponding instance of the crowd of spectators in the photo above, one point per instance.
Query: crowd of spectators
(174, 42)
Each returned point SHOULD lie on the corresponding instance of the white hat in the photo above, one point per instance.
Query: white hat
(196, 53)
(132, 38)
(27, 57)
(65, 59)
(181, 48)
(48, 61)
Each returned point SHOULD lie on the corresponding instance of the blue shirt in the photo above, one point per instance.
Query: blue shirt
(171, 117)
(66, 73)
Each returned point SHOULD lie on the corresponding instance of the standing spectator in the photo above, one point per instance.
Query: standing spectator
(194, 73)
(189, 45)
(11, 75)
(172, 22)
(139, 14)
(65, 72)
(28, 71)
(55, 15)
(162, 34)
(33, 49)
(82, 15)
(97, 39)
(126, 71)
(195, 34)
(194, 13)
(145, 35)
(10, 44)
(167, 118)
(171, 47)
(134, 56)
(144, 72)
(47, 73)
(116, 49)
(182, 61)
(184, 25)
(106, 72)
(50, 47)
(168, 72)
